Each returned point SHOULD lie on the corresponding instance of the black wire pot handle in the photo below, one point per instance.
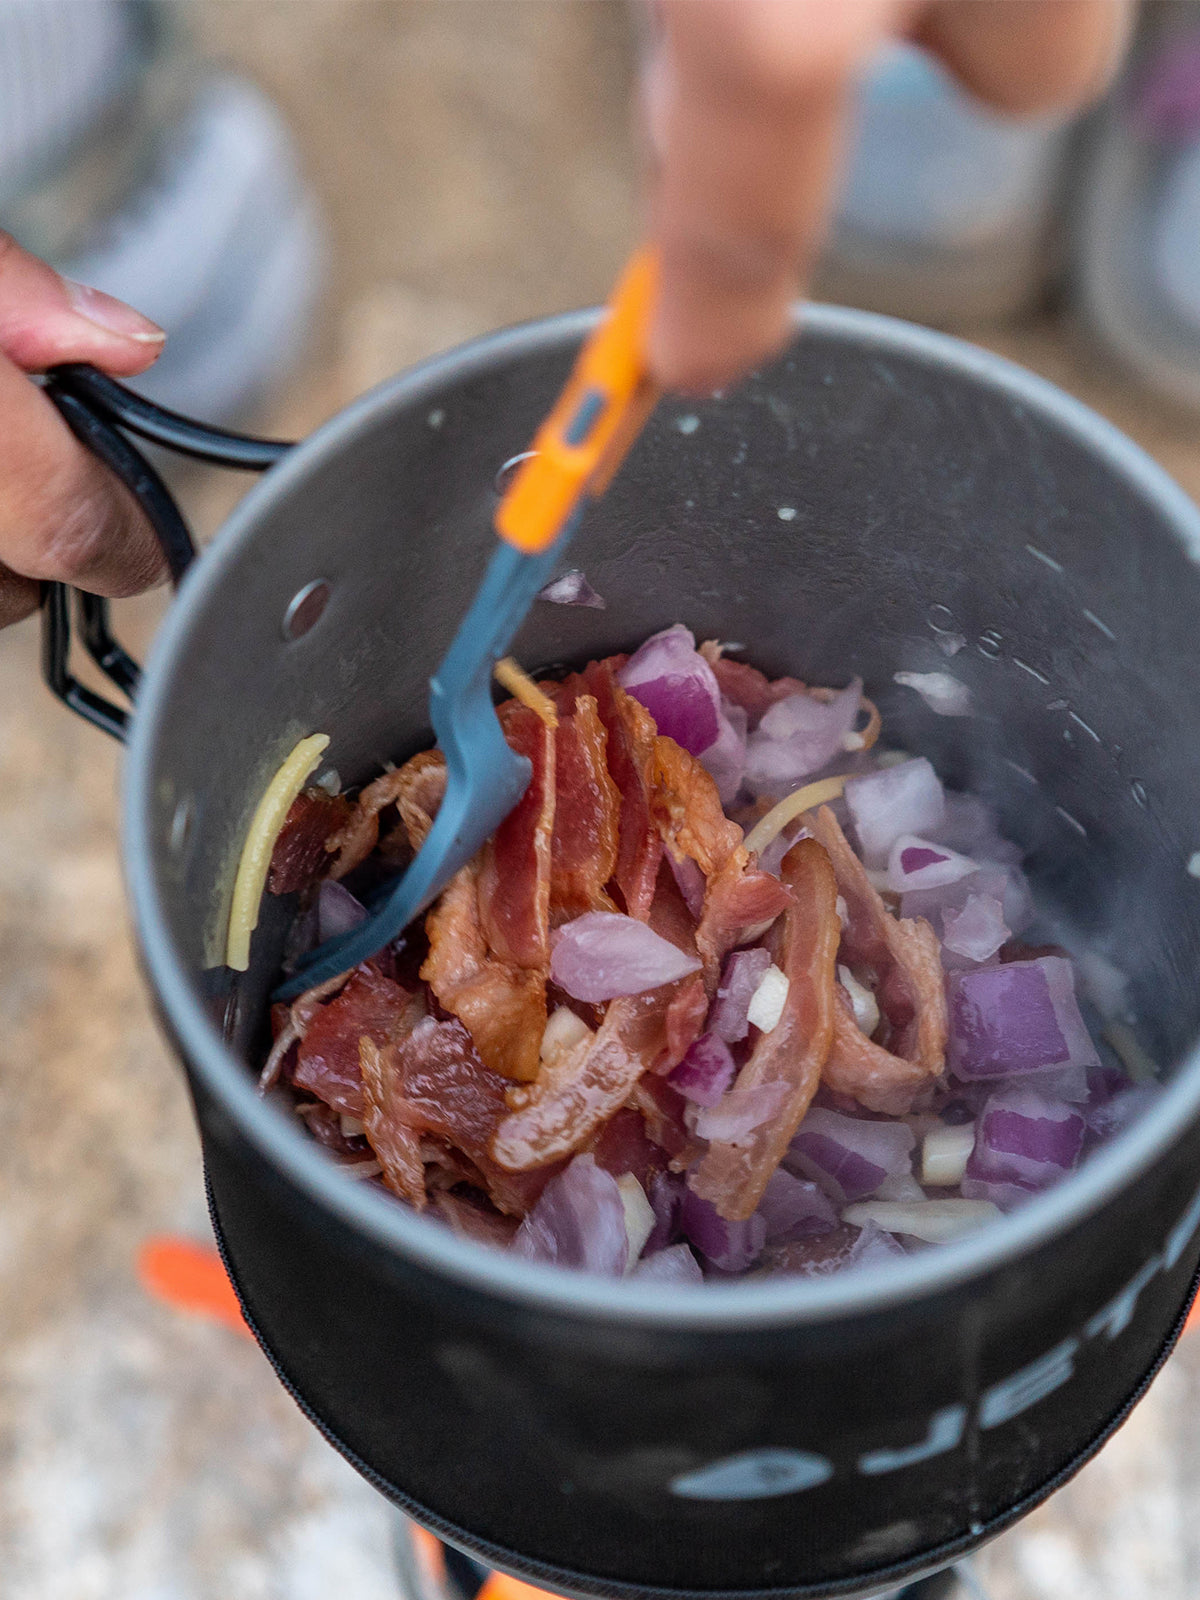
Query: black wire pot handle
(96, 408)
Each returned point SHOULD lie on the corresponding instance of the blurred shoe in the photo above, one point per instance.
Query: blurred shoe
(134, 168)
(948, 210)
(1138, 238)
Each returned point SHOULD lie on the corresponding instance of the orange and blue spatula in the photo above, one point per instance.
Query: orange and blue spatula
(575, 453)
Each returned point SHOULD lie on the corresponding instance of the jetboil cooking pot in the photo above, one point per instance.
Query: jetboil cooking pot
(882, 498)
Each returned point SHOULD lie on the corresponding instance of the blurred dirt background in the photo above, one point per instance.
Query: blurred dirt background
(476, 166)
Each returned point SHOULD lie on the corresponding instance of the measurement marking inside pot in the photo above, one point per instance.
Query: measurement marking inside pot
(1023, 771)
(1080, 723)
(1103, 626)
(1073, 821)
(1193, 865)
(1032, 671)
(1055, 566)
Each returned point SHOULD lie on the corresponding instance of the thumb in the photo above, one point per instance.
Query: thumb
(46, 319)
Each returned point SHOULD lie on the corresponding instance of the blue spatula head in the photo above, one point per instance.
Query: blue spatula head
(484, 778)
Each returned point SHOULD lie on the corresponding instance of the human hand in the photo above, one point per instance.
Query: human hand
(746, 104)
(62, 515)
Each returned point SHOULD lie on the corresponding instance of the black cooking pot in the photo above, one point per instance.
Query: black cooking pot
(881, 498)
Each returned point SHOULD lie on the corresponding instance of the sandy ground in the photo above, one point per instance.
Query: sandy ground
(475, 165)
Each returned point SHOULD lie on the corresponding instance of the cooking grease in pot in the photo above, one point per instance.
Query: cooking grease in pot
(733, 990)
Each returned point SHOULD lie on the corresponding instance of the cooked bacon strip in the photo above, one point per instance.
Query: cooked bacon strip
(300, 855)
(622, 1146)
(416, 789)
(901, 958)
(687, 810)
(514, 877)
(740, 904)
(578, 1093)
(327, 1062)
(502, 1005)
(661, 1109)
(451, 1097)
(583, 851)
(733, 1175)
(684, 1022)
(629, 751)
(389, 1132)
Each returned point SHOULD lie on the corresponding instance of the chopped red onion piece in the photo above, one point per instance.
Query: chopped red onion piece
(798, 736)
(849, 1156)
(604, 954)
(572, 589)
(725, 758)
(666, 1196)
(727, 1246)
(740, 977)
(677, 687)
(740, 1112)
(692, 883)
(942, 693)
(675, 1265)
(978, 930)
(914, 863)
(872, 1248)
(337, 910)
(1026, 1138)
(906, 798)
(579, 1221)
(1016, 1018)
(794, 1207)
(706, 1072)
(1004, 883)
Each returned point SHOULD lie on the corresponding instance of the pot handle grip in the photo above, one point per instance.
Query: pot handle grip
(97, 408)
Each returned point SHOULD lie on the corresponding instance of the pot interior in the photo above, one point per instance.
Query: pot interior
(880, 499)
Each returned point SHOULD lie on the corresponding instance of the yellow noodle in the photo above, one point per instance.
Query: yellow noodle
(264, 829)
(522, 687)
(790, 807)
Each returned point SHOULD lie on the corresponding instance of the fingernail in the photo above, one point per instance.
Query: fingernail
(114, 316)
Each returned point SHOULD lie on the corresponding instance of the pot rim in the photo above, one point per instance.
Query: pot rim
(430, 1245)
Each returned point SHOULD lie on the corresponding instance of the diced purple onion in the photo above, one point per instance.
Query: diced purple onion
(692, 883)
(872, 1248)
(849, 1157)
(604, 954)
(1024, 1138)
(1016, 1018)
(977, 931)
(727, 1246)
(906, 798)
(914, 863)
(572, 589)
(665, 1194)
(337, 910)
(677, 687)
(793, 1207)
(798, 736)
(674, 1265)
(740, 977)
(706, 1072)
(1004, 883)
(725, 758)
(579, 1221)
(741, 1112)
